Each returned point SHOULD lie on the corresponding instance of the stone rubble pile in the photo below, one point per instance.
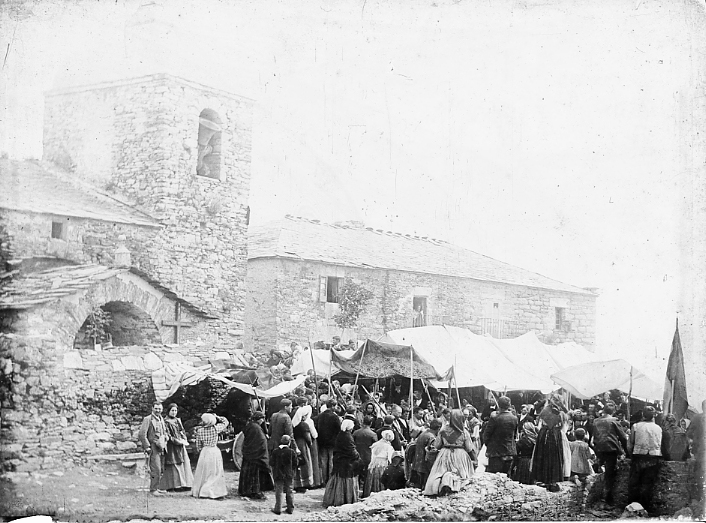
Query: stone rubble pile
(484, 496)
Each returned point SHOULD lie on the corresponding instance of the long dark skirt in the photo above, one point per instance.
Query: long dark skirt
(255, 477)
(520, 470)
(548, 458)
(341, 491)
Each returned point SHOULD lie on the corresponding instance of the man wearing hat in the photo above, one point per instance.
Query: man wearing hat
(647, 447)
(499, 438)
(280, 424)
(609, 441)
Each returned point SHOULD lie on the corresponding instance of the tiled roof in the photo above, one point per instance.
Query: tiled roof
(24, 291)
(40, 187)
(357, 246)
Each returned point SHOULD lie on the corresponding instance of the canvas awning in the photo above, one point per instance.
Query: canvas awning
(589, 379)
(383, 360)
(478, 362)
(166, 381)
(322, 358)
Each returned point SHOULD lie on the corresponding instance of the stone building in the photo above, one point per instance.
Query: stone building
(296, 265)
(137, 212)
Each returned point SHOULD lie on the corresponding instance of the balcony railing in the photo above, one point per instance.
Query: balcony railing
(498, 328)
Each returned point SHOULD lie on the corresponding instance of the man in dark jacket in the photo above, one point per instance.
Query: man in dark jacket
(284, 463)
(328, 425)
(280, 424)
(499, 438)
(363, 438)
(351, 412)
(609, 443)
(421, 465)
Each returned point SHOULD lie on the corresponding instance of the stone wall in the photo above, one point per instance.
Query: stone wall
(60, 405)
(294, 286)
(138, 139)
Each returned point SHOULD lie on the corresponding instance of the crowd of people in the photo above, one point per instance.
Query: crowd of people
(353, 448)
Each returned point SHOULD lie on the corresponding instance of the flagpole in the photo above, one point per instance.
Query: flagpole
(411, 380)
(357, 374)
(316, 379)
(629, 393)
(330, 362)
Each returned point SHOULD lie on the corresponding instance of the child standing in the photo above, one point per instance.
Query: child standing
(581, 454)
(284, 463)
(393, 477)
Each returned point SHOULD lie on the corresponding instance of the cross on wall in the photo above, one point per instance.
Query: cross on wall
(178, 324)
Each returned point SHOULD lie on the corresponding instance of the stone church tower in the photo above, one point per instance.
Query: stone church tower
(180, 152)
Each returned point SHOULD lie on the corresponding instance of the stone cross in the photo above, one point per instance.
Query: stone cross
(178, 324)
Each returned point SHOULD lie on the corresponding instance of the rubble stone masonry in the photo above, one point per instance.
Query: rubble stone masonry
(137, 139)
(283, 302)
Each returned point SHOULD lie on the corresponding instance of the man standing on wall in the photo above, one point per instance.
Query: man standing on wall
(153, 436)
(609, 443)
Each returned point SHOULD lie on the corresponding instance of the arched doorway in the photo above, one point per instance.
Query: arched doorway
(119, 323)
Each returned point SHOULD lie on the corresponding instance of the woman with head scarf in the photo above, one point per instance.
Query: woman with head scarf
(380, 457)
(520, 470)
(453, 464)
(209, 480)
(304, 437)
(255, 474)
(342, 486)
(177, 466)
(548, 459)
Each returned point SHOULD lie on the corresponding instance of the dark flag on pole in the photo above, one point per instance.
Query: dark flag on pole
(675, 399)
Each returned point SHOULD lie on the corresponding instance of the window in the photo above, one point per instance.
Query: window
(58, 230)
(559, 317)
(419, 305)
(328, 288)
(209, 140)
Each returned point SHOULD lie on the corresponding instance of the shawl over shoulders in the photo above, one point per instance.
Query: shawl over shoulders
(254, 443)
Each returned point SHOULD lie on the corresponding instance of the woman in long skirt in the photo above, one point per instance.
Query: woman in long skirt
(304, 476)
(520, 470)
(177, 466)
(453, 464)
(566, 448)
(209, 480)
(342, 486)
(380, 457)
(548, 458)
(255, 474)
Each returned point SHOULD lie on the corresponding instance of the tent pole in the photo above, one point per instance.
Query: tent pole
(431, 402)
(316, 379)
(330, 362)
(458, 397)
(357, 374)
(411, 379)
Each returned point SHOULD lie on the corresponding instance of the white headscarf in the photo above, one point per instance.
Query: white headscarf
(347, 424)
(388, 435)
(208, 420)
(300, 413)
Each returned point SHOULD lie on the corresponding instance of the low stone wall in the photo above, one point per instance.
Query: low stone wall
(60, 409)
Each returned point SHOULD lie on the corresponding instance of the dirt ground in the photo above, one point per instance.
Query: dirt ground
(108, 491)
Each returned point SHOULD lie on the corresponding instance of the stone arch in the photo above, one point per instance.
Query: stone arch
(140, 297)
(129, 325)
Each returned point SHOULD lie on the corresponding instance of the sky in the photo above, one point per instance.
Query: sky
(544, 133)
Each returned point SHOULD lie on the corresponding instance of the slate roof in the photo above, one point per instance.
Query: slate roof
(24, 291)
(357, 246)
(40, 187)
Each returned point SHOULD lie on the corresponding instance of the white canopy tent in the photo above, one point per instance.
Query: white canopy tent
(477, 361)
(322, 360)
(588, 379)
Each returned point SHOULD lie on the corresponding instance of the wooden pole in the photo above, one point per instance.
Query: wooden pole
(330, 362)
(458, 397)
(411, 380)
(360, 363)
(629, 394)
(316, 379)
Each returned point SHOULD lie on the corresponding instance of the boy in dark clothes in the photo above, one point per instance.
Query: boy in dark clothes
(284, 462)
(393, 477)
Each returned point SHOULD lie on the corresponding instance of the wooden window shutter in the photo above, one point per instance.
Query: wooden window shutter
(322, 288)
